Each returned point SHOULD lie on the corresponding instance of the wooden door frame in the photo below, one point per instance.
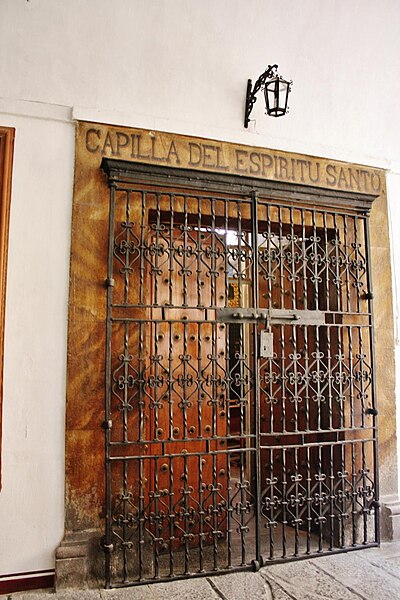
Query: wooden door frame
(7, 137)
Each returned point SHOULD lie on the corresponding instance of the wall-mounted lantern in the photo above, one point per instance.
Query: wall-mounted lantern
(276, 91)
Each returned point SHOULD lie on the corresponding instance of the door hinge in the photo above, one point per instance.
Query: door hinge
(371, 411)
(108, 548)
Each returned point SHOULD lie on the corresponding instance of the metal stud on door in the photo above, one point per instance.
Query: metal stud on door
(239, 423)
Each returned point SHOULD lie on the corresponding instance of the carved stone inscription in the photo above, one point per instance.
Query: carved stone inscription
(154, 147)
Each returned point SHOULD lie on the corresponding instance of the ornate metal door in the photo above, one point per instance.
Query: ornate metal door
(240, 417)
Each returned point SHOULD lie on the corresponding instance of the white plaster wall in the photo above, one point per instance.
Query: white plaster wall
(173, 65)
(32, 496)
(182, 65)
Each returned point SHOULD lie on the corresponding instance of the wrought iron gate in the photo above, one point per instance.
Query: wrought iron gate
(240, 413)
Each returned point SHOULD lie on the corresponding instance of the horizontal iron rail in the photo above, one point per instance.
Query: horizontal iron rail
(145, 457)
(216, 321)
(217, 307)
(263, 200)
(245, 436)
(248, 567)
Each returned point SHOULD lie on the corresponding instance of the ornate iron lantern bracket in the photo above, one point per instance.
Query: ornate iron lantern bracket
(277, 88)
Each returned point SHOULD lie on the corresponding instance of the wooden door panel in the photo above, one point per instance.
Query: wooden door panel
(188, 399)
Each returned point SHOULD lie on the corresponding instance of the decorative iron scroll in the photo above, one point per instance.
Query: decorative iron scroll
(218, 459)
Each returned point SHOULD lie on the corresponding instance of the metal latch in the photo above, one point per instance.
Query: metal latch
(266, 343)
(273, 316)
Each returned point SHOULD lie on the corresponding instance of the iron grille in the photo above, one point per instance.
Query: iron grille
(218, 458)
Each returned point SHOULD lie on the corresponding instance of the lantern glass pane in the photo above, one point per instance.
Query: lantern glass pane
(276, 96)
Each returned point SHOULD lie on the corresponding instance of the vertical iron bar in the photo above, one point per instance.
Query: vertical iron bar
(186, 493)
(364, 498)
(156, 391)
(284, 501)
(124, 523)
(171, 250)
(126, 388)
(327, 261)
(108, 380)
(229, 510)
(185, 381)
(305, 329)
(127, 247)
(141, 402)
(242, 509)
(257, 474)
(304, 258)
(296, 509)
(294, 328)
(307, 380)
(319, 356)
(321, 478)
(227, 333)
(171, 517)
(309, 500)
(215, 512)
(272, 515)
(200, 381)
(328, 328)
(170, 382)
(201, 515)
(351, 369)
(343, 497)
(353, 495)
(269, 250)
(342, 420)
(141, 526)
(239, 253)
(292, 259)
(214, 387)
(374, 395)
(199, 253)
(338, 301)
(331, 496)
(142, 248)
(361, 393)
(185, 269)
(213, 271)
(357, 263)
(315, 261)
(283, 376)
(346, 251)
(295, 380)
(214, 346)
(155, 268)
(281, 259)
(156, 550)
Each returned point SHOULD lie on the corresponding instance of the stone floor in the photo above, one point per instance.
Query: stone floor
(370, 574)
